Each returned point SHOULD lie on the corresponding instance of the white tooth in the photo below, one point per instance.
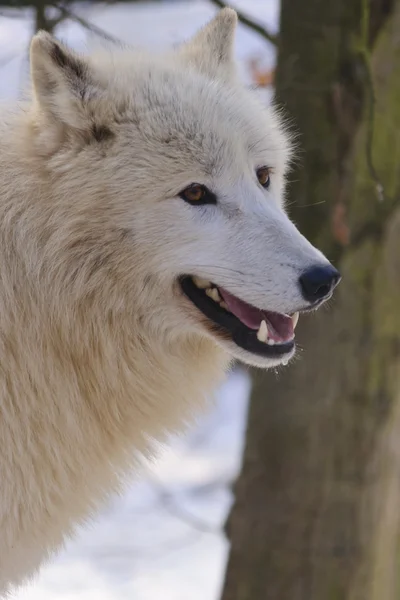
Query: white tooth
(285, 362)
(216, 295)
(224, 305)
(262, 333)
(213, 294)
(295, 318)
(201, 283)
(271, 342)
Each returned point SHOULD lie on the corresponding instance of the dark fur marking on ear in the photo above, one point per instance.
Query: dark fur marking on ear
(50, 85)
(66, 61)
(101, 133)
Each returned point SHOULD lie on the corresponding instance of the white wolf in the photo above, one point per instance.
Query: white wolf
(143, 244)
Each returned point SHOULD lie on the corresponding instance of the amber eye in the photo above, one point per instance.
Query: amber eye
(263, 177)
(196, 193)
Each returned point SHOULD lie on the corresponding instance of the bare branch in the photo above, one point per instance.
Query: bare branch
(270, 37)
(56, 21)
(190, 519)
(68, 14)
(10, 14)
(4, 60)
(168, 502)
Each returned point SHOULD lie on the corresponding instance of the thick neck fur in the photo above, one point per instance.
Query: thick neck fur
(87, 378)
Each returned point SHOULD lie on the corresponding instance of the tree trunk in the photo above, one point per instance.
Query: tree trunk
(316, 506)
(42, 20)
(40, 15)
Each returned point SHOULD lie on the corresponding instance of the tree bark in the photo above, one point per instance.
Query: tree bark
(42, 20)
(40, 15)
(316, 506)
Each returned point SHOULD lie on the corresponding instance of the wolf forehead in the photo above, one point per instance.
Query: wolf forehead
(167, 103)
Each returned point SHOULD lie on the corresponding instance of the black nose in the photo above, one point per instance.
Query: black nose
(318, 282)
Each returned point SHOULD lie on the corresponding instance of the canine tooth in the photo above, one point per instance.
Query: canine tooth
(295, 318)
(271, 342)
(262, 333)
(224, 305)
(201, 283)
(285, 362)
(213, 294)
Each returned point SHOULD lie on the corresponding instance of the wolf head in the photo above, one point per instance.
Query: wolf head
(167, 183)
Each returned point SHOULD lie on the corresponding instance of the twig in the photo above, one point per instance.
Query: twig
(52, 23)
(182, 514)
(4, 60)
(270, 37)
(169, 503)
(68, 14)
(10, 14)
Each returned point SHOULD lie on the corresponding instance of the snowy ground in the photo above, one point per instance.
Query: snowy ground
(163, 538)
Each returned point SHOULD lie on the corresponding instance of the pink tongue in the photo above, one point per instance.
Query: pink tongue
(280, 327)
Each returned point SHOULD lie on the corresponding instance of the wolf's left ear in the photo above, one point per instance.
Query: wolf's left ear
(211, 49)
(62, 81)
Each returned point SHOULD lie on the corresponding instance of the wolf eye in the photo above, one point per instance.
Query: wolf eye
(196, 193)
(263, 177)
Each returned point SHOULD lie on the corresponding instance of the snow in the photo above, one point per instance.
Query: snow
(163, 538)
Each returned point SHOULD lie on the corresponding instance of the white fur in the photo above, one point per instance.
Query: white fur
(100, 352)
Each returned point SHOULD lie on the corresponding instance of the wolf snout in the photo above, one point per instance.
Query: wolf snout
(318, 282)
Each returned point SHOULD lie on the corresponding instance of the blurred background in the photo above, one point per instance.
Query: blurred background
(290, 488)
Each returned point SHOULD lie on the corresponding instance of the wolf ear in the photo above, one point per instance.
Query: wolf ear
(211, 49)
(62, 81)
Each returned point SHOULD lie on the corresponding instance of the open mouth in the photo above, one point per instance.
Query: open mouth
(260, 332)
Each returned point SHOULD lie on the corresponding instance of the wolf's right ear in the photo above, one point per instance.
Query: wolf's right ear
(62, 81)
(211, 49)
